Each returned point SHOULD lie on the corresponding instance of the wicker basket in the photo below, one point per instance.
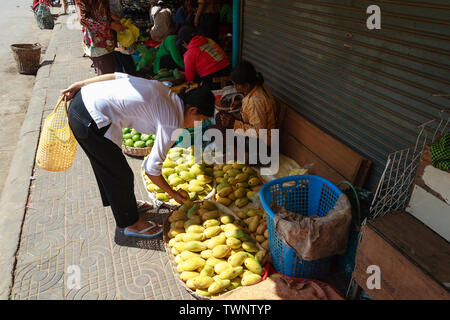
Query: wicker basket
(136, 152)
(27, 56)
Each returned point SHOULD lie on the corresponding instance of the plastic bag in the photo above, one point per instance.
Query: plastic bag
(43, 16)
(130, 35)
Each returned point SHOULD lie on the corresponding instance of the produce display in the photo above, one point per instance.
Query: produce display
(236, 184)
(216, 252)
(135, 139)
(168, 75)
(181, 172)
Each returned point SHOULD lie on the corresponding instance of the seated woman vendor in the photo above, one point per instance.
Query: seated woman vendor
(204, 58)
(258, 106)
(168, 55)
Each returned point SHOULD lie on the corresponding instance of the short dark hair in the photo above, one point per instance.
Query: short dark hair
(202, 98)
(244, 72)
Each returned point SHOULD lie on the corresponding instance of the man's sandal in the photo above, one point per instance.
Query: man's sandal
(140, 234)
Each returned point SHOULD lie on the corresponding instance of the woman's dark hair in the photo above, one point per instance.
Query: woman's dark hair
(202, 98)
(245, 72)
(95, 7)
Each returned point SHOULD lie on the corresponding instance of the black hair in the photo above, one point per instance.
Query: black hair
(202, 98)
(244, 72)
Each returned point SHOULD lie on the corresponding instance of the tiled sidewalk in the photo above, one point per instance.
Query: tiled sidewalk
(65, 224)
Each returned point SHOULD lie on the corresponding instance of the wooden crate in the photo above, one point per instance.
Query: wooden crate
(414, 261)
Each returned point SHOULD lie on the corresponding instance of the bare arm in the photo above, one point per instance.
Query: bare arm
(74, 88)
(180, 196)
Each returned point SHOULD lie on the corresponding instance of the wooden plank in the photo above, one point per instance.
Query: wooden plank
(400, 279)
(303, 156)
(419, 243)
(338, 156)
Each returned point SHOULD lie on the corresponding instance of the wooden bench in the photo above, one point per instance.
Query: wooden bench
(306, 143)
(414, 260)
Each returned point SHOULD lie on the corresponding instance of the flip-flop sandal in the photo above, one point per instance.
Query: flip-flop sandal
(143, 206)
(140, 234)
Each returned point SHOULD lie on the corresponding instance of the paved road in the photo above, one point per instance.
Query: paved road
(17, 25)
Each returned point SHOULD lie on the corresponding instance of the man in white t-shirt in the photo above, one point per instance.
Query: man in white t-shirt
(102, 106)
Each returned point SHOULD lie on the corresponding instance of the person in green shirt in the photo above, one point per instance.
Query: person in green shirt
(168, 55)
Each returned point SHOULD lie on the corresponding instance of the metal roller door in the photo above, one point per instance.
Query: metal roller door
(370, 89)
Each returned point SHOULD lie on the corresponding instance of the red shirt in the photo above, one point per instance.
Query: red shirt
(203, 57)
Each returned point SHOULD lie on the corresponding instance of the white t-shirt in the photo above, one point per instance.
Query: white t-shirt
(145, 105)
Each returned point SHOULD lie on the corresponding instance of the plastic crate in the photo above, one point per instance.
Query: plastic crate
(307, 195)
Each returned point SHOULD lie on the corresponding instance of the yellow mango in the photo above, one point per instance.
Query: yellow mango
(192, 264)
(202, 282)
(212, 231)
(237, 259)
(249, 246)
(208, 270)
(179, 246)
(173, 232)
(222, 266)
(211, 223)
(193, 237)
(231, 273)
(205, 254)
(233, 243)
(251, 279)
(234, 233)
(195, 229)
(186, 275)
(253, 265)
(216, 241)
(190, 284)
(218, 286)
(203, 293)
(214, 261)
(221, 251)
(195, 246)
(226, 218)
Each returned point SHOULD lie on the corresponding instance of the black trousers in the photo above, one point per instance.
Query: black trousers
(114, 176)
(124, 63)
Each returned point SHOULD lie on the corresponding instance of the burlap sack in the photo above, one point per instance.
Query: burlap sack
(315, 237)
(283, 289)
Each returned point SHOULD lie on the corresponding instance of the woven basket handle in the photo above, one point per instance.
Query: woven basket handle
(61, 99)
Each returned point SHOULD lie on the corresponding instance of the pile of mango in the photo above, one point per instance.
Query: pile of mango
(181, 172)
(255, 220)
(213, 251)
(236, 183)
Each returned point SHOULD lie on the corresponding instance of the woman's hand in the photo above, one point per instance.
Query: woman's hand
(180, 196)
(72, 90)
(118, 27)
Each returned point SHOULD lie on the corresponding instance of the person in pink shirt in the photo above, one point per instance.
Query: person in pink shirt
(204, 58)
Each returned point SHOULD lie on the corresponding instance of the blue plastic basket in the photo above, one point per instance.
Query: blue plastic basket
(306, 195)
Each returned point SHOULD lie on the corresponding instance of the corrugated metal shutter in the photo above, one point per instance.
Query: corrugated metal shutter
(369, 89)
